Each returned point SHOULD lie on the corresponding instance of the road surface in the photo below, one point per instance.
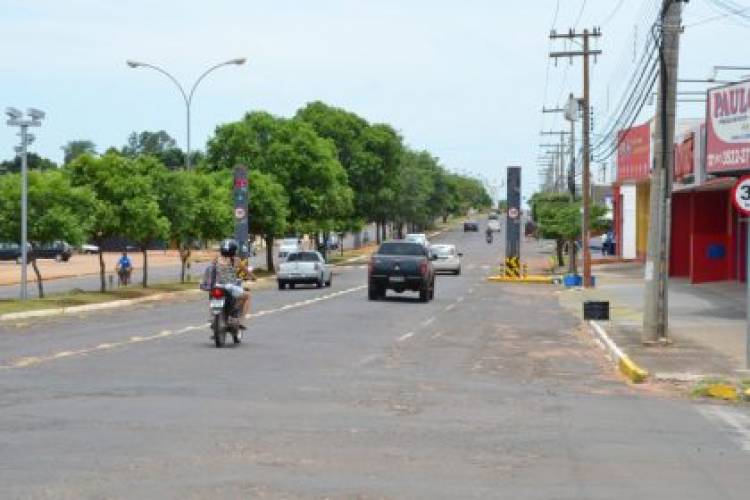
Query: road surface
(490, 391)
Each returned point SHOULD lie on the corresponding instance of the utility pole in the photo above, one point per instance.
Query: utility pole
(655, 314)
(586, 53)
(559, 174)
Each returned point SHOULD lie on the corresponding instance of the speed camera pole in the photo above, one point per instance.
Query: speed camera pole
(15, 119)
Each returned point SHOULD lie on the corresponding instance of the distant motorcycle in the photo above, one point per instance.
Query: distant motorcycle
(123, 275)
(489, 238)
(224, 316)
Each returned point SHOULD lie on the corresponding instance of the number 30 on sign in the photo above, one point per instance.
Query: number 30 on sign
(741, 195)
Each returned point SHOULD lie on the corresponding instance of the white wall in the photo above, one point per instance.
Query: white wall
(628, 221)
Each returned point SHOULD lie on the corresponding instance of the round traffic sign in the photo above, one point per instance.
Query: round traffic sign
(741, 195)
(513, 212)
(239, 213)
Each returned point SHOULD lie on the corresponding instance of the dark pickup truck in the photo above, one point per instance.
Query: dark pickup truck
(401, 266)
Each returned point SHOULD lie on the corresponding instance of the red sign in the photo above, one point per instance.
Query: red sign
(728, 128)
(684, 155)
(634, 153)
(741, 195)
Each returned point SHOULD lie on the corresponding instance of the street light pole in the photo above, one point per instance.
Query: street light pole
(187, 97)
(15, 119)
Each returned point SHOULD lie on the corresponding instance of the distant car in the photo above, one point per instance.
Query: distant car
(471, 225)
(10, 251)
(288, 246)
(420, 238)
(493, 216)
(304, 267)
(400, 266)
(447, 259)
(58, 250)
(88, 248)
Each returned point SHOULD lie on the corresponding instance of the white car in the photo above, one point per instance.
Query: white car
(448, 259)
(88, 248)
(304, 267)
(418, 238)
(288, 246)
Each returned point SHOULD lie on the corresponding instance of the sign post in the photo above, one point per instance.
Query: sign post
(741, 199)
(513, 220)
(241, 220)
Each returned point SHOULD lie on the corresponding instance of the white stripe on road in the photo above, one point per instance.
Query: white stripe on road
(428, 321)
(36, 360)
(735, 422)
(450, 307)
(406, 336)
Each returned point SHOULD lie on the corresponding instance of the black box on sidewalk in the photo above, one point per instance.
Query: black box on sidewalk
(596, 309)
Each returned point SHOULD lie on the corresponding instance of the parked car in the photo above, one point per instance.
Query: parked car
(10, 251)
(401, 265)
(471, 225)
(88, 248)
(448, 259)
(420, 238)
(288, 246)
(304, 267)
(58, 250)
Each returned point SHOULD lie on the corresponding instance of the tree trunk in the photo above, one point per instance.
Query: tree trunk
(102, 271)
(269, 253)
(144, 251)
(572, 264)
(341, 243)
(383, 234)
(184, 258)
(559, 244)
(39, 284)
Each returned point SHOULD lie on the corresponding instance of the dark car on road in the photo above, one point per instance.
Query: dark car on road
(400, 266)
(471, 225)
(58, 250)
(10, 251)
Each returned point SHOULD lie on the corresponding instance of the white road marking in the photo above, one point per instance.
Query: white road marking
(450, 307)
(36, 360)
(471, 290)
(369, 359)
(732, 421)
(460, 299)
(406, 336)
(428, 321)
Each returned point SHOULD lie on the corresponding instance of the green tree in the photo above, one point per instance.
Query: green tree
(56, 211)
(148, 143)
(128, 200)
(74, 149)
(296, 157)
(34, 162)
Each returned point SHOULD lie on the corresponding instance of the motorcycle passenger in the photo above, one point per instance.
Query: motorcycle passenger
(228, 271)
(124, 267)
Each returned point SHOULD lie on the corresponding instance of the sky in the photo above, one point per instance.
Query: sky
(465, 81)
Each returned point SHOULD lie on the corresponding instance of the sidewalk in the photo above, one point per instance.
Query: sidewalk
(706, 322)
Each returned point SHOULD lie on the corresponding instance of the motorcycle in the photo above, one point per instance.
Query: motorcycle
(224, 316)
(489, 238)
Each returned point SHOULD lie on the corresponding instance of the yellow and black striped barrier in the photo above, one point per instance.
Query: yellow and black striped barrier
(512, 267)
(516, 272)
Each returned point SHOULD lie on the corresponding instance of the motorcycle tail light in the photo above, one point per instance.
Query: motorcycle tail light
(217, 293)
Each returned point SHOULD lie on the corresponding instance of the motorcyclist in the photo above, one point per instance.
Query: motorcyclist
(229, 272)
(124, 267)
(488, 234)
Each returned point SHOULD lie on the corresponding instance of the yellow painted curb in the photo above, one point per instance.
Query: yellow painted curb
(632, 371)
(722, 391)
(528, 279)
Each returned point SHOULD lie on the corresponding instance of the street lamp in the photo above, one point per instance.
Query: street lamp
(16, 119)
(188, 97)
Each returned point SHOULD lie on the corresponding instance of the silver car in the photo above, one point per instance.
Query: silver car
(304, 267)
(448, 259)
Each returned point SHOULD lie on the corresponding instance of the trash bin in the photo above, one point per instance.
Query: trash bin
(596, 309)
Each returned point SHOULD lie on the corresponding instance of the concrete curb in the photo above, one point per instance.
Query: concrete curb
(544, 280)
(113, 304)
(627, 366)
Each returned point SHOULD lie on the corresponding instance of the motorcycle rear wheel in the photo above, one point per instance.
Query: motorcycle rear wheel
(220, 334)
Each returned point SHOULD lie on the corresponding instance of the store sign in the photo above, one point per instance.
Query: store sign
(728, 134)
(634, 153)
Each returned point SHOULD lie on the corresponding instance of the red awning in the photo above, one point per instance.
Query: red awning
(717, 184)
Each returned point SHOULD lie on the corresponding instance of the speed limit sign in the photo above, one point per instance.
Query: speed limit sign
(513, 212)
(741, 195)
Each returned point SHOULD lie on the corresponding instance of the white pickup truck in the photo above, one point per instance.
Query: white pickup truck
(304, 267)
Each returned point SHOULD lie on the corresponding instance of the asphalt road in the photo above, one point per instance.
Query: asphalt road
(487, 392)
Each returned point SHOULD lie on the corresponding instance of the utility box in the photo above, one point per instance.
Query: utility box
(596, 309)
